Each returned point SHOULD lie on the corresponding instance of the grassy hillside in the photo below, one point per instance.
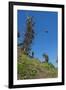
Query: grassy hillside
(31, 68)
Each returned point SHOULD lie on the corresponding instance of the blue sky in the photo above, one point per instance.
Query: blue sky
(43, 42)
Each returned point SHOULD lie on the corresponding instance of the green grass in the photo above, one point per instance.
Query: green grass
(31, 68)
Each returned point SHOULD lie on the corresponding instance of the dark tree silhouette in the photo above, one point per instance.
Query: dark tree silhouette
(18, 34)
(46, 57)
(29, 35)
(57, 60)
(32, 54)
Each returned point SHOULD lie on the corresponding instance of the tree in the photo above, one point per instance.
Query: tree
(32, 54)
(18, 34)
(46, 57)
(57, 60)
(29, 35)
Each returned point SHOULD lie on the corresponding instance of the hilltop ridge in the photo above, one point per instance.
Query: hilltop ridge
(32, 68)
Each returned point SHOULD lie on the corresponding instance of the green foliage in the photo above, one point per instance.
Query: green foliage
(32, 54)
(46, 57)
(31, 68)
